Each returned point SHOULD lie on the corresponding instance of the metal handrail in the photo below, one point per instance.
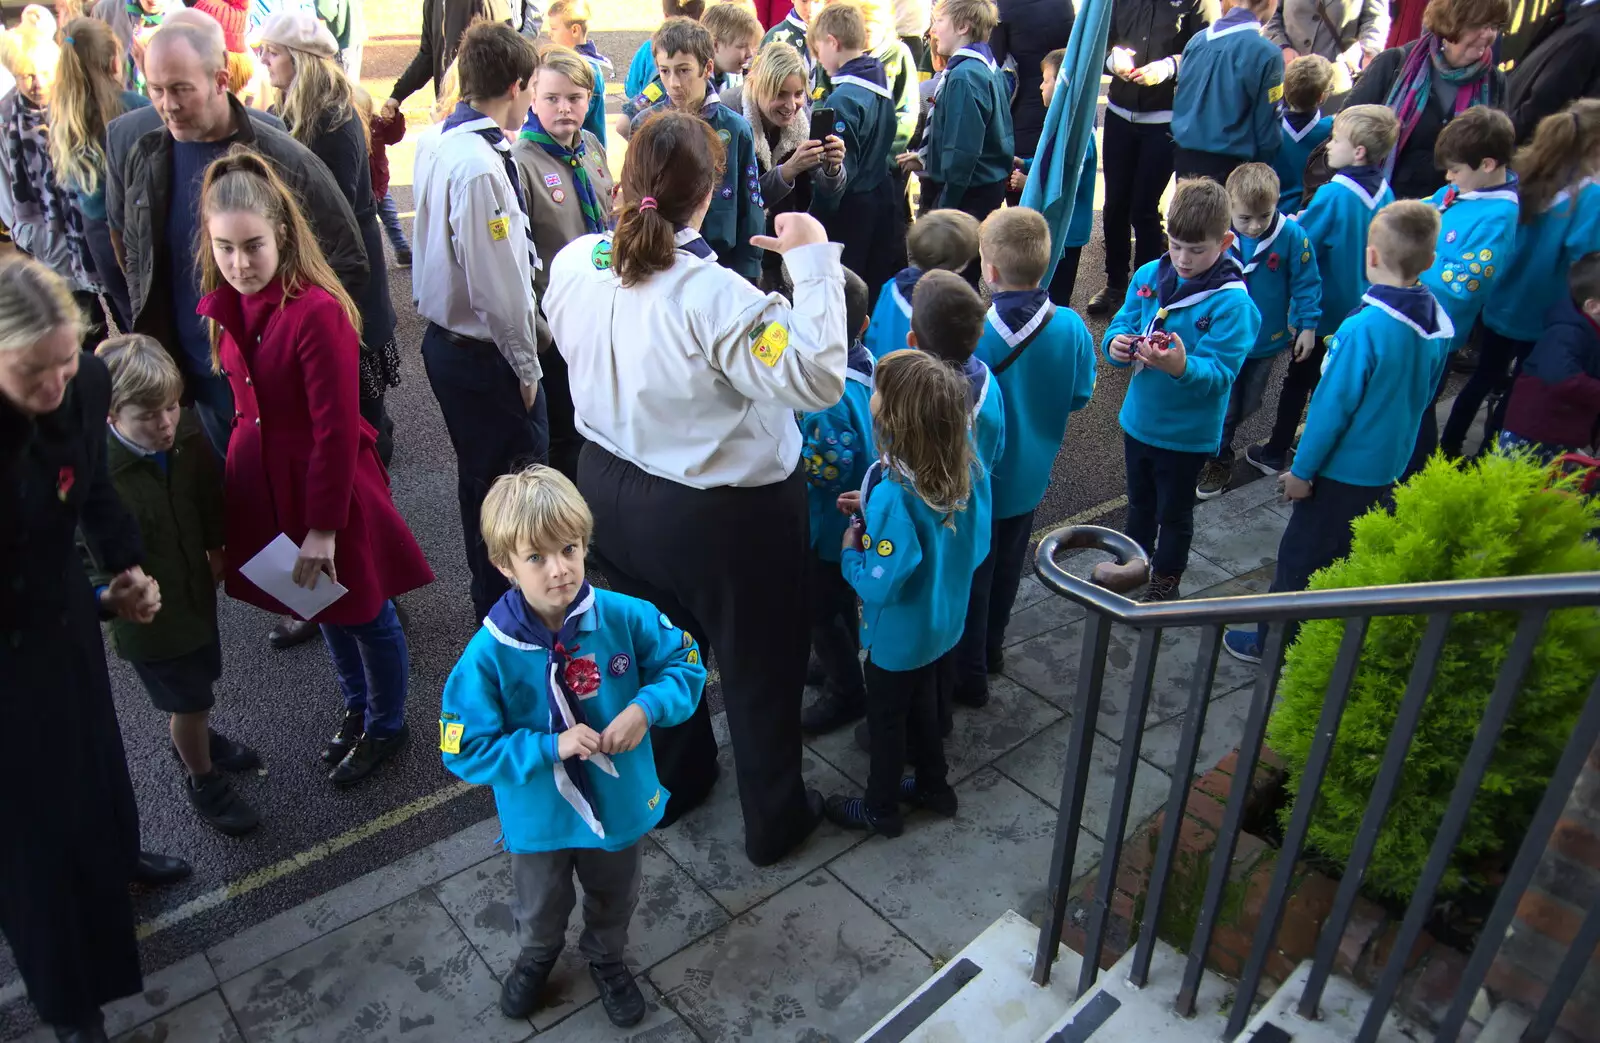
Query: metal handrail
(1495, 594)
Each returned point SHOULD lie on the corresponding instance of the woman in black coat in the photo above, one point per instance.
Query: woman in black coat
(69, 831)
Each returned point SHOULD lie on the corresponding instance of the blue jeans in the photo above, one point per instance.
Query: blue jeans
(389, 214)
(373, 664)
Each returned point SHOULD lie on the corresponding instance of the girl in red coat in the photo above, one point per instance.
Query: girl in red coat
(301, 460)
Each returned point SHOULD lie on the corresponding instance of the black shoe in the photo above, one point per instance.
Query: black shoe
(852, 813)
(519, 996)
(349, 733)
(832, 711)
(224, 810)
(367, 754)
(941, 802)
(227, 755)
(1161, 588)
(619, 993)
(863, 737)
(292, 632)
(973, 692)
(402, 258)
(91, 1030)
(995, 661)
(807, 823)
(1107, 300)
(153, 870)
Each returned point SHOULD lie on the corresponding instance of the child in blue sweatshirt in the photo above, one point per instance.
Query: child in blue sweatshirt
(835, 453)
(939, 239)
(1383, 364)
(910, 552)
(1281, 270)
(1336, 223)
(567, 22)
(1172, 415)
(1065, 279)
(1230, 83)
(1043, 359)
(1307, 83)
(552, 704)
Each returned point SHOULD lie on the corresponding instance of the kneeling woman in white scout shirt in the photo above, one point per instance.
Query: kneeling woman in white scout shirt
(685, 379)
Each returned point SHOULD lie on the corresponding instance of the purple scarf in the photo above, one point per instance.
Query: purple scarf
(1409, 95)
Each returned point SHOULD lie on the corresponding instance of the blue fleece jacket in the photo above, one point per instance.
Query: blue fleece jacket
(912, 570)
(836, 451)
(1230, 83)
(1052, 378)
(641, 70)
(968, 143)
(496, 728)
(1545, 250)
(891, 317)
(1218, 323)
(1336, 223)
(988, 440)
(1302, 132)
(1477, 234)
(1382, 367)
(1281, 270)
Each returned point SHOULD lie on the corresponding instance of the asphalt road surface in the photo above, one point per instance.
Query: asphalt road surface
(285, 704)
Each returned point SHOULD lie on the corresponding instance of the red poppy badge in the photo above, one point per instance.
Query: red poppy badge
(583, 677)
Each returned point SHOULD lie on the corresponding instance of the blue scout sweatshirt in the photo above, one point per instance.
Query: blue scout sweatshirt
(891, 317)
(1302, 133)
(1281, 271)
(863, 112)
(1052, 378)
(641, 70)
(1336, 223)
(836, 452)
(912, 570)
(988, 439)
(1477, 234)
(1383, 365)
(1229, 85)
(1546, 249)
(595, 120)
(737, 209)
(496, 725)
(1218, 323)
(969, 140)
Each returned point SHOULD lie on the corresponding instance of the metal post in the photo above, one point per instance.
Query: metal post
(1573, 964)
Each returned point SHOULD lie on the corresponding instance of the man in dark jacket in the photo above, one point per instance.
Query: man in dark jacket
(443, 22)
(1558, 68)
(1029, 30)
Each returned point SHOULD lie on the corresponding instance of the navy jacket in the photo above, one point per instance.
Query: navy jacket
(1556, 399)
(1154, 29)
(1029, 30)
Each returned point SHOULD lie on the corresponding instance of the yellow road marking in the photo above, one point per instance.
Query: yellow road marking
(1082, 516)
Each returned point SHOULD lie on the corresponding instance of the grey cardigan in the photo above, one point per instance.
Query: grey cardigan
(1363, 24)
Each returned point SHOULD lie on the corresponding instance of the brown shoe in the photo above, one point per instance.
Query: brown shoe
(1121, 578)
(1162, 588)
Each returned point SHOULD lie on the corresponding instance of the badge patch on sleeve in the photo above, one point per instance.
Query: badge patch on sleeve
(1275, 94)
(499, 228)
(768, 343)
(693, 658)
(885, 548)
(653, 92)
(450, 736)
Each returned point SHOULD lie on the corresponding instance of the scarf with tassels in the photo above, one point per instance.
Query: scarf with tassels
(594, 215)
(1409, 95)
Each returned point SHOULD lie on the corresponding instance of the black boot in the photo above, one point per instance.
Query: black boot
(519, 996)
(153, 870)
(366, 756)
(92, 1029)
(831, 711)
(292, 632)
(349, 733)
(1107, 300)
(619, 993)
(223, 809)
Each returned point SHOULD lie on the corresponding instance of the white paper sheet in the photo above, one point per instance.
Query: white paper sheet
(273, 571)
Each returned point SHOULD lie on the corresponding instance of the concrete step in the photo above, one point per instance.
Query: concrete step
(1344, 1004)
(985, 994)
(1114, 1011)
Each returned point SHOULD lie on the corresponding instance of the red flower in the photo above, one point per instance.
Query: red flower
(1272, 262)
(64, 480)
(583, 676)
(1146, 292)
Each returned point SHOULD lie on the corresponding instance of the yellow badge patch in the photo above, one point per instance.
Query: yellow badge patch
(1275, 94)
(866, 542)
(450, 737)
(653, 92)
(885, 548)
(693, 657)
(1305, 257)
(1485, 255)
(1472, 286)
(816, 94)
(688, 639)
(769, 343)
(1447, 275)
(1489, 272)
(499, 228)
(655, 799)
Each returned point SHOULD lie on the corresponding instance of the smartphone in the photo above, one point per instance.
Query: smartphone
(822, 121)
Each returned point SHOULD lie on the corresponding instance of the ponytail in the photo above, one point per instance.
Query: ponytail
(85, 99)
(674, 161)
(1561, 154)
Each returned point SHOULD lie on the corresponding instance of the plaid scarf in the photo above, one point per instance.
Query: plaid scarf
(26, 153)
(594, 216)
(1409, 95)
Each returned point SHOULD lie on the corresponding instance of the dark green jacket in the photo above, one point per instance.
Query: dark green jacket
(969, 142)
(179, 511)
(904, 83)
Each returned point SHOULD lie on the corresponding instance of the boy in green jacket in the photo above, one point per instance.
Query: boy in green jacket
(165, 472)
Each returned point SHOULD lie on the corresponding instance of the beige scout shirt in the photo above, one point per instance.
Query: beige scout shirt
(553, 208)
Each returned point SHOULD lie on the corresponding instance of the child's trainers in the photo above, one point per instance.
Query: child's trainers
(519, 996)
(852, 813)
(1242, 645)
(619, 993)
(1267, 463)
(1161, 588)
(940, 802)
(1214, 479)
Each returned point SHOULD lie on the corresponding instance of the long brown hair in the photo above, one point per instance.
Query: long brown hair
(87, 96)
(1561, 154)
(319, 98)
(923, 425)
(245, 182)
(674, 159)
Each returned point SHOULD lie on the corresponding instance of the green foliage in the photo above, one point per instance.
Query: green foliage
(1500, 517)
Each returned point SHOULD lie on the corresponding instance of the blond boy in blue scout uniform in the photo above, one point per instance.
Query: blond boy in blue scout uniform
(551, 704)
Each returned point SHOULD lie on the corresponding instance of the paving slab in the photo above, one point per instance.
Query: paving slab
(205, 1019)
(1012, 716)
(1240, 541)
(1040, 764)
(672, 912)
(812, 964)
(661, 1024)
(405, 971)
(945, 880)
(708, 842)
(164, 991)
(1224, 725)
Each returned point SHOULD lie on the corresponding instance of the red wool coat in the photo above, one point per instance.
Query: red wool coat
(300, 456)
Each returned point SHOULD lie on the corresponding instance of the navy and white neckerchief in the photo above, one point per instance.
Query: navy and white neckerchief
(713, 100)
(1298, 124)
(1415, 306)
(974, 52)
(591, 52)
(859, 365)
(1237, 20)
(978, 377)
(690, 242)
(795, 22)
(1507, 193)
(1259, 250)
(512, 621)
(1366, 182)
(468, 120)
(1173, 293)
(865, 72)
(903, 286)
(1015, 314)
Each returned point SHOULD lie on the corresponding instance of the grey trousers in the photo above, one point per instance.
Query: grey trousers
(545, 898)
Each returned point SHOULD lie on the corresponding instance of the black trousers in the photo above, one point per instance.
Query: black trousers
(492, 433)
(994, 592)
(1138, 164)
(1065, 279)
(835, 629)
(903, 722)
(1161, 502)
(1298, 383)
(730, 563)
(1188, 162)
(565, 441)
(1500, 358)
(870, 227)
(1318, 533)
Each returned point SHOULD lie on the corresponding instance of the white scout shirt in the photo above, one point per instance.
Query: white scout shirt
(693, 374)
(474, 275)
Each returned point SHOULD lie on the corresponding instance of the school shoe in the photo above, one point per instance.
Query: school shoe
(228, 755)
(519, 995)
(852, 813)
(809, 820)
(365, 757)
(1122, 579)
(940, 802)
(1106, 301)
(1214, 479)
(214, 800)
(344, 740)
(972, 693)
(292, 632)
(1243, 645)
(92, 1029)
(995, 661)
(402, 258)
(1161, 588)
(832, 711)
(153, 870)
(1269, 464)
(619, 993)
